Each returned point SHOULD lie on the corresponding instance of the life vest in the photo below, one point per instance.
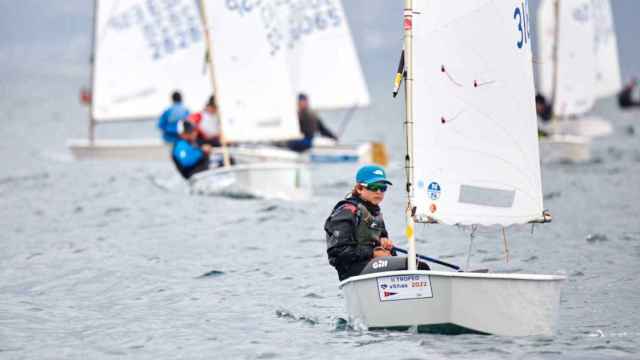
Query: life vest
(368, 227)
(207, 124)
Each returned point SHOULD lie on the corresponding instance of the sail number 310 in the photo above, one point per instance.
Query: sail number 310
(521, 16)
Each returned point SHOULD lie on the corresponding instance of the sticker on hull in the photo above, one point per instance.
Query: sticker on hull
(404, 287)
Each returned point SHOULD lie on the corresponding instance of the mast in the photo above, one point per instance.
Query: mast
(209, 58)
(408, 126)
(554, 81)
(92, 61)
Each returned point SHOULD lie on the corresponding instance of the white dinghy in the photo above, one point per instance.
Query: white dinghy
(472, 161)
(135, 67)
(142, 51)
(579, 64)
(270, 180)
(254, 105)
(333, 83)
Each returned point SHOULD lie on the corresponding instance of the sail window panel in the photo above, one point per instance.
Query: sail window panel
(486, 196)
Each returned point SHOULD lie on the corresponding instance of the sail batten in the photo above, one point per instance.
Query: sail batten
(476, 155)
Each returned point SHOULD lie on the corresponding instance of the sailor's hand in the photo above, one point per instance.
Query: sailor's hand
(386, 243)
(380, 251)
(206, 148)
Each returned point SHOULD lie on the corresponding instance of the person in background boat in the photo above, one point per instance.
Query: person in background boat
(310, 124)
(188, 156)
(169, 119)
(626, 95)
(355, 230)
(543, 108)
(207, 123)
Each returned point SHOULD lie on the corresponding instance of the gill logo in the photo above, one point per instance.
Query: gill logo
(380, 264)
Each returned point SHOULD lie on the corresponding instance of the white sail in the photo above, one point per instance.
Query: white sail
(144, 50)
(575, 69)
(545, 36)
(475, 138)
(254, 93)
(608, 78)
(323, 60)
(575, 93)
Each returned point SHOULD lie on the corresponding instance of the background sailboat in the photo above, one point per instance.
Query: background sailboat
(322, 63)
(256, 102)
(142, 51)
(472, 159)
(578, 63)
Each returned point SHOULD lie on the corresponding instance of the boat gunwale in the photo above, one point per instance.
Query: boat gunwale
(266, 166)
(497, 276)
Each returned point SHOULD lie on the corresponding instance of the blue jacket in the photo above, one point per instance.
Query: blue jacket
(186, 154)
(168, 121)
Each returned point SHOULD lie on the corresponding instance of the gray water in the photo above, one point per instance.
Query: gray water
(99, 261)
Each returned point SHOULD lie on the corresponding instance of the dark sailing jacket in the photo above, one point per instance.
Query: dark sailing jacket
(353, 230)
(310, 123)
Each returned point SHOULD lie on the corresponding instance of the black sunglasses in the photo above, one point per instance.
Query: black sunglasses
(375, 187)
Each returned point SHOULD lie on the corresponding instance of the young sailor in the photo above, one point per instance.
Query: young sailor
(187, 155)
(544, 110)
(310, 123)
(626, 95)
(355, 229)
(169, 119)
(208, 123)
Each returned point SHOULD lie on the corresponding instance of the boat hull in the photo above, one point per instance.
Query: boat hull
(588, 126)
(499, 304)
(157, 150)
(287, 181)
(565, 148)
(117, 149)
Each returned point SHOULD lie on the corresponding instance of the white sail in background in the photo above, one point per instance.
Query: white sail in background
(254, 92)
(608, 78)
(144, 50)
(475, 136)
(545, 34)
(323, 60)
(575, 93)
(576, 60)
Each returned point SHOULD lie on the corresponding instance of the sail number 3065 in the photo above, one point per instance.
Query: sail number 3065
(521, 16)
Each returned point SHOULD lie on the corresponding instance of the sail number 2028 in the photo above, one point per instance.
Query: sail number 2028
(521, 16)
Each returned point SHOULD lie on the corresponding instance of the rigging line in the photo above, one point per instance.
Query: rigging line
(444, 70)
(445, 120)
(472, 235)
(477, 84)
(506, 247)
